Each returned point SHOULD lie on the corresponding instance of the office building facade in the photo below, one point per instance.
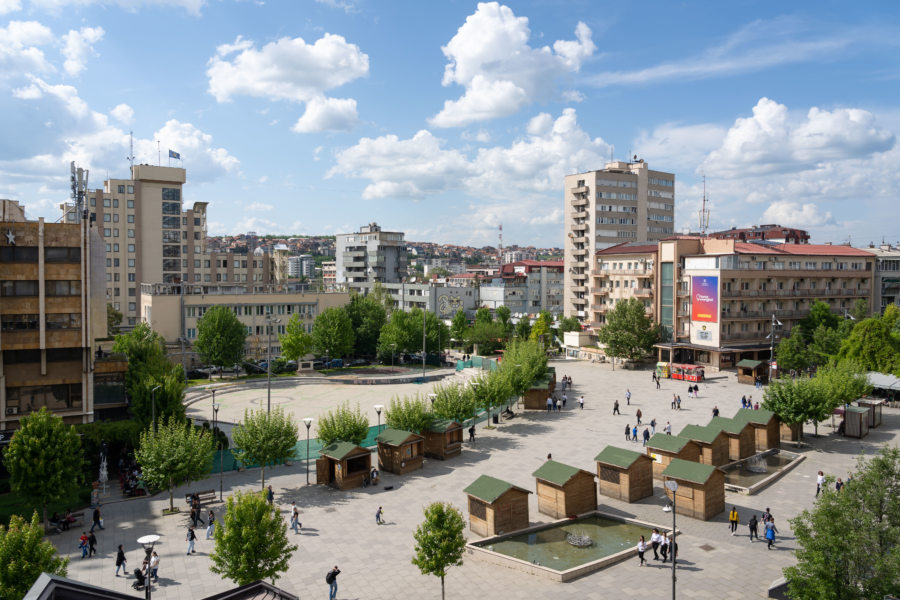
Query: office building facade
(370, 255)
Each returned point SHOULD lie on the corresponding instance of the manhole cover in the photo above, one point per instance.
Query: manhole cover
(707, 548)
(334, 509)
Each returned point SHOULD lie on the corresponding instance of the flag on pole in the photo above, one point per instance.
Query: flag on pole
(173, 154)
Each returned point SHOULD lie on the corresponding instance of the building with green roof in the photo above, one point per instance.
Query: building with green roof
(766, 427)
(343, 465)
(663, 448)
(741, 441)
(712, 441)
(444, 439)
(701, 489)
(625, 474)
(496, 506)
(564, 491)
(400, 451)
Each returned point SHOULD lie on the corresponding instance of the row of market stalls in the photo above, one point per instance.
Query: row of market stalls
(346, 466)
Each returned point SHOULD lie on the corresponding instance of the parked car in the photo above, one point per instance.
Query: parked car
(359, 362)
(250, 367)
(336, 363)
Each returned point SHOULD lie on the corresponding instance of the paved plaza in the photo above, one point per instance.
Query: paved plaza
(339, 527)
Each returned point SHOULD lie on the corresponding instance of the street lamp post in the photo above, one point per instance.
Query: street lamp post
(215, 408)
(153, 405)
(270, 320)
(672, 486)
(148, 541)
(393, 349)
(775, 323)
(432, 396)
(424, 352)
(308, 422)
(378, 409)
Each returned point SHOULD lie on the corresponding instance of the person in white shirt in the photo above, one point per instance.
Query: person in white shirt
(820, 481)
(655, 540)
(641, 548)
(664, 547)
(668, 428)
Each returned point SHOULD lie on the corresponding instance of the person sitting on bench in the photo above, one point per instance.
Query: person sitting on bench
(373, 476)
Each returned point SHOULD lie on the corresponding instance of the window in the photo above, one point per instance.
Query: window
(121, 189)
(115, 262)
(93, 202)
(196, 235)
(131, 233)
(171, 251)
(184, 221)
(171, 237)
(130, 189)
(130, 262)
(131, 292)
(131, 277)
(115, 203)
(171, 264)
(115, 232)
(130, 218)
(62, 288)
(106, 203)
(130, 246)
(63, 320)
(116, 278)
(59, 254)
(107, 217)
(130, 203)
(107, 232)
(172, 194)
(115, 247)
(171, 208)
(196, 221)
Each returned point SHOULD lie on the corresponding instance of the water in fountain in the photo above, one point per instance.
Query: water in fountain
(579, 539)
(757, 464)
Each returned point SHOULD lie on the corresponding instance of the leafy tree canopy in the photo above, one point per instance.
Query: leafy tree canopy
(819, 314)
(458, 325)
(252, 544)
(454, 401)
(148, 367)
(483, 315)
(568, 324)
(220, 337)
(628, 332)
(410, 414)
(873, 346)
(332, 333)
(24, 555)
(792, 352)
(367, 316)
(540, 331)
(295, 343)
(405, 330)
(504, 315)
(440, 543)
(523, 328)
(343, 425)
(264, 438)
(487, 335)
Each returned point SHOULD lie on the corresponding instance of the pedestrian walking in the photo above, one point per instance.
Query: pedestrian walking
(657, 383)
(664, 546)
(634, 437)
(92, 544)
(653, 426)
(653, 377)
(678, 403)
(668, 428)
(638, 414)
(154, 566)
(195, 514)
(716, 411)
(190, 539)
(555, 404)
(120, 561)
(83, 544)
(627, 433)
(765, 516)
(581, 401)
(733, 520)
(673, 401)
(549, 403)
(331, 580)
(820, 481)
(472, 432)
(752, 525)
(295, 520)
(646, 435)
(98, 521)
(564, 400)
(771, 530)
(270, 496)
(627, 396)
(655, 540)
(211, 525)
(616, 407)
(641, 548)
(379, 516)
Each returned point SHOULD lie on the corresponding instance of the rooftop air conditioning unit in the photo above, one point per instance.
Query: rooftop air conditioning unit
(12, 410)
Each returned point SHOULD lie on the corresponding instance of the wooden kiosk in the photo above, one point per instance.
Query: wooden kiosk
(496, 506)
(713, 443)
(400, 451)
(343, 465)
(624, 474)
(701, 489)
(856, 421)
(535, 398)
(444, 439)
(874, 405)
(741, 438)
(564, 491)
(663, 448)
(765, 427)
(748, 369)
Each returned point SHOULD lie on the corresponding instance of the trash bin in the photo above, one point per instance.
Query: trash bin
(496, 419)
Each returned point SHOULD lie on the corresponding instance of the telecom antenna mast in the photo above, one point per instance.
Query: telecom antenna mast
(500, 248)
(704, 211)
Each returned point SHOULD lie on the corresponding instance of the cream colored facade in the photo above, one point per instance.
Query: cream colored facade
(174, 310)
(149, 237)
(621, 273)
(624, 202)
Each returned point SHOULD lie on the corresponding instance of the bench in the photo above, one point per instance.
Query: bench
(78, 519)
(207, 496)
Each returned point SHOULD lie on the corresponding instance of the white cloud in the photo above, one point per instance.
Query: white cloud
(345, 5)
(260, 207)
(793, 214)
(327, 114)
(20, 51)
(491, 58)
(8, 6)
(78, 46)
(259, 225)
(263, 179)
(482, 136)
(287, 69)
(679, 147)
(123, 113)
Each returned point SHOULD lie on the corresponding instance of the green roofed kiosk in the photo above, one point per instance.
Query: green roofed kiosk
(400, 451)
(663, 448)
(564, 491)
(748, 370)
(496, 506)
(765, 427)
(701, 488)
(444, 439)
(713, 443)
(741, 439)
(625, 474)
(343, 465)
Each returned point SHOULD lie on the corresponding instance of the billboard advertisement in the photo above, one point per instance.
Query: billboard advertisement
(705, 299)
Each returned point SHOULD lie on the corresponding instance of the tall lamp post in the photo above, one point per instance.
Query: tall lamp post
(153, 405)
(775, 323)
(270, 321)
(432, 396)
(308, 422)
(148, 541)
(424, 352)
(393, 349)
(378, 409)
(672, 486)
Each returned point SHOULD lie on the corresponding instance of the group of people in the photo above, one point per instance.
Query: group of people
(748, 403)
(693, 391)
(767, 520)
(661, 544)
(130, 477)
(87, 542)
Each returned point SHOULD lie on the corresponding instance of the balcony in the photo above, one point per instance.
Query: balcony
(684, 292)
(579, 301)
(579, 276)
(580, 190)
(580, 240)
(580, 227)
(579, 265)
(579, 289)
(643, 293)
(581, 214)
(602, 309)
(351, 254)
(579, 202)
(633, 272)
(744, 335)
(801, 293)
(579, 252)
(600, 291)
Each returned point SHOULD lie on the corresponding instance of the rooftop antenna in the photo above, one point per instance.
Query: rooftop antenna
(704, 211)
(130, 157)
(500, 248)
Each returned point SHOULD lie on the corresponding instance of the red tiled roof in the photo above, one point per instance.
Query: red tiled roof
(749, 248)
(822, 250)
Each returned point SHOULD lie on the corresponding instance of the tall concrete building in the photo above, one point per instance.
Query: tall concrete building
(370, 255)
(887, 276)
(623, 202)
(526, 287)
(150, 238)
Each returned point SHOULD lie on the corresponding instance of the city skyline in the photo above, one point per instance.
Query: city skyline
(445, 120)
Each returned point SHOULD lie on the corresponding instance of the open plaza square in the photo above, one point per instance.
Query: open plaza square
(339, 527)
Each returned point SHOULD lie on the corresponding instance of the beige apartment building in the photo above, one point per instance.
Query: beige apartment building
(150, 237)
(369, 256)
(52, 312)
(173, 311)
(623, 202)
(720, 300)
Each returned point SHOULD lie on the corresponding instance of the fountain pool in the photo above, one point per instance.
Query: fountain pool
(750, 475)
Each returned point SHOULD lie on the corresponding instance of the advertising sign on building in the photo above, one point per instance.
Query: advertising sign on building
(705, 299)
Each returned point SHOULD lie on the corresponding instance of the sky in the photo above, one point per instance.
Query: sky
(446, 119)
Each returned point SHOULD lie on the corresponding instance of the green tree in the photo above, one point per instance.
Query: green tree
(825, 345)
(860, 309)
(44, 459)
(488, 336)
(264, 438)
(568, 324)
(483, 315)
(540, 331)
(504, 315)
(792, 352)
(628, 332)
(24, 555)
(382, 297)
(843, 382)
(458, 326)
(454, 401)
(173, 454)
(523, 363)
(220, 337)
(409, 414)
(367, 317)
(819, 314)
(113, 320)
(295, 343)
(440, 543)
(872, 346)
(492, 391)
(252, 544)
(343, 425)
(148, 367)
(523, 328)
(332, 333)
(849, 542)
(796, 401)
(405, 330)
